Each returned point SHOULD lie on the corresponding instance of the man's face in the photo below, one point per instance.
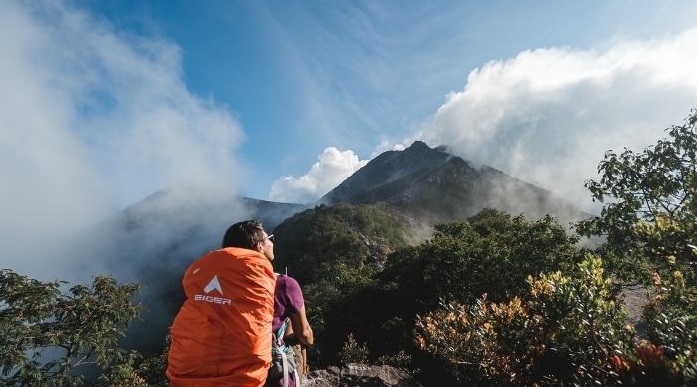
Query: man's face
(265, 246)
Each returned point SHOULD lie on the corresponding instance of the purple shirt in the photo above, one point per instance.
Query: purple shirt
(288, 300)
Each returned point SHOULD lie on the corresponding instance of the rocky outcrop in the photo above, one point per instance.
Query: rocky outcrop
(355, 375)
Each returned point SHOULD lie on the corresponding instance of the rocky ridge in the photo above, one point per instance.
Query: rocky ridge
(355, 375)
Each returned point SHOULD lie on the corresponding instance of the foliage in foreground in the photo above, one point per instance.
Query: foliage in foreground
(671, 317)
(649, 215)
(567, 330)
(53, 337)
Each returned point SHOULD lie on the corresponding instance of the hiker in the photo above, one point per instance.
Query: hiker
(291, 328)
(222, 333)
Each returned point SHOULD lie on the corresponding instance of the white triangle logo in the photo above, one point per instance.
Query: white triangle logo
(213, 285)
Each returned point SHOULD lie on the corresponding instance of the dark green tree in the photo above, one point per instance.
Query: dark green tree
(492, 253)
(649, 206)
(649, 219)
(50, 336)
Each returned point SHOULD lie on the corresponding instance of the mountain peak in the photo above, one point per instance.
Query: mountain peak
(386, 168)
(420, 146)
(432, 183)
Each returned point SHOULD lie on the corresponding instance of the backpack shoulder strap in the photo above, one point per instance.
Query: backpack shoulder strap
(282, 350)
(282, 331)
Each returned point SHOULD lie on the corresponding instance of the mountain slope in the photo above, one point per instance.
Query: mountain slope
(435, 186)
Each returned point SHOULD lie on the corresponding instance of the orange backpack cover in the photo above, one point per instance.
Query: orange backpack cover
(222, 334)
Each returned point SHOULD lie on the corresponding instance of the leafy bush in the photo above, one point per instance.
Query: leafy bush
(650, 218)
(564, 331)
(51, 337)
(671, 317)
(353, 352)
(400, 360)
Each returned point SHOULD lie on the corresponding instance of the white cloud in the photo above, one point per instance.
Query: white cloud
(548, 115)
(92, 120)
(333, 167)
(386, 145)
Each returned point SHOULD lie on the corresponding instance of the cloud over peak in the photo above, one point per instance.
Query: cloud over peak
(333, 167)
(548, 115)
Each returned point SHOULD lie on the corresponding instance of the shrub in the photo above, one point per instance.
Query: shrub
(671, 317)
(565, 331)
(353, 352)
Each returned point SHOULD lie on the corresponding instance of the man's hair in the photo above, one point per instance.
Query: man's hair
(244, 234)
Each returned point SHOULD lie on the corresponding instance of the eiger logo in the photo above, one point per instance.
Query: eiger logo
(213, 285)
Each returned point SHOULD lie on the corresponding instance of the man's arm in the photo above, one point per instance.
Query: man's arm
(301, 330)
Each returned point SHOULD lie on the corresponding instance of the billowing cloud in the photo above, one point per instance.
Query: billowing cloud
(91, 120)
(333, 167)
(547, 116)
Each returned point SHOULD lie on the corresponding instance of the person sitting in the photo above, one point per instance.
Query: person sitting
(222, 333)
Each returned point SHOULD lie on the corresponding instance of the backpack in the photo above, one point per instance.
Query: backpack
(283, 360)
(215, 285)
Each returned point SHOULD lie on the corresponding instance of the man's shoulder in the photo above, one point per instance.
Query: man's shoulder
(287, 282)
(286, 278)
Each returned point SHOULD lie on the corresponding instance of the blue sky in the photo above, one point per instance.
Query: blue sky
(301, 76)
(104, 102)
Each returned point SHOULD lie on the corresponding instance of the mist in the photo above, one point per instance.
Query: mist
(91, 121)
(548, 116)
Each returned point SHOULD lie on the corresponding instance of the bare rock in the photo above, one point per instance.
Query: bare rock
(355, 375)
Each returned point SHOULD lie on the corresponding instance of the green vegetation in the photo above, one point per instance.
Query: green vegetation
(334, 253)
(564, 330)
(491, 253)
(313, 244)
(52, 337)
(650, 212)
(567, 328)
(495, 299)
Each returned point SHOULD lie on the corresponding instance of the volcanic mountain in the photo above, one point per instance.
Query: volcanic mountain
(432, 185)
